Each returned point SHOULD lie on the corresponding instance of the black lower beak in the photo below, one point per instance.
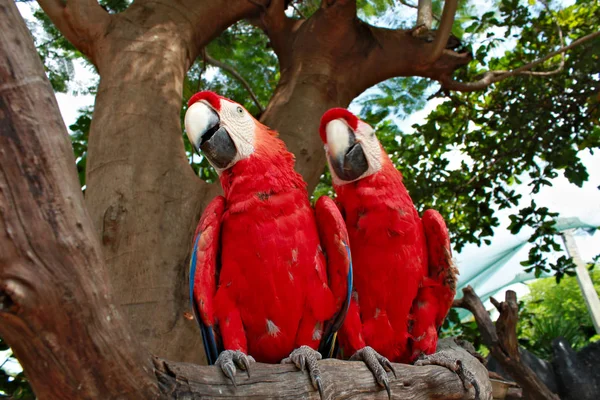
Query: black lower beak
(352, 165)
(217, 146)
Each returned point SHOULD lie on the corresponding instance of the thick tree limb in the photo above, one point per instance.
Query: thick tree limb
(236, 75)
(501, 339)
(342, 379)
(56, 310)
(491, 77)
(424, 13)
(81, 21)
(443, 32)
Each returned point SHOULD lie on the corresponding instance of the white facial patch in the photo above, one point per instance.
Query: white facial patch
(240, 125)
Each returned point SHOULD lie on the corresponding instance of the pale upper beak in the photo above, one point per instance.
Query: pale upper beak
(346, 155)
(203, 127)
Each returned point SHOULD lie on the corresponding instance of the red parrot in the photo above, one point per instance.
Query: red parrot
(269, 277)
(400, 261)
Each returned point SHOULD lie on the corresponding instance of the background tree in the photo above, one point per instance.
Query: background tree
(299, 59)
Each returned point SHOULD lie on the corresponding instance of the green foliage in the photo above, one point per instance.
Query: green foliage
(79, 138)
(556, 310)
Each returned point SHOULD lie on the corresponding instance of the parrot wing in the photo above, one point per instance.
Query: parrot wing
(204, 269)
(437, 291)
(441, 267)
(334, 239)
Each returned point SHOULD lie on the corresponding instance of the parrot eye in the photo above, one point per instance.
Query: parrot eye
(240, 110)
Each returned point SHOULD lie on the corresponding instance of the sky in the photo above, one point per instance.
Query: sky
(562, 197)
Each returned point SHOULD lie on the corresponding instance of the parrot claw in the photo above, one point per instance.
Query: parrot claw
(306, 358)
(229, 359)
(468, 379)
(387, 389)
(320, 386)
(378, 364)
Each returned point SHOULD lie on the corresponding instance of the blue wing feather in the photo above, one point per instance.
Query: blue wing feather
(328, 347)
(208, 334)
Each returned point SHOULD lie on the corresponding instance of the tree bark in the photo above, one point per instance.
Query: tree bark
(56, 309)
(501, 339)
(341, 380)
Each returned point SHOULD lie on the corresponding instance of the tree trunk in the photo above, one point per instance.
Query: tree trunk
(143, 197)
(56, 309)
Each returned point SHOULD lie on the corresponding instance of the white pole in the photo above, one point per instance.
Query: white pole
(583, 277)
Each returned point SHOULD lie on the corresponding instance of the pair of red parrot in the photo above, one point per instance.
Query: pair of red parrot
(272, 280)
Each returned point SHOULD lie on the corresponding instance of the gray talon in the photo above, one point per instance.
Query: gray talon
(468, 379)
(320, 386)
(229, 359)
(389, 367)
(387, 389)
(304, 358)
(230, 372)
(378, 365)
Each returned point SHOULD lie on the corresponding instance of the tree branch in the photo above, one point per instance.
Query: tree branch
(443, 32)
(278, 28)
(80, 21)
(424, 13)
(236, 75)
(342, 379)
(407, 4)
(501, 339)
(491, 77)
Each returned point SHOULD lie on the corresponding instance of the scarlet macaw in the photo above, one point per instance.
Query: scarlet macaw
(401, 262)
(260, 284)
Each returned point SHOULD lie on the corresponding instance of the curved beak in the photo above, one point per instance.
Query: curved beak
(346, 155)
(203, 127)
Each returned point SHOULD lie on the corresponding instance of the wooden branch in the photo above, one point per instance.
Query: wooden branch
(443, 32)
(343, 8)
(561, 39)
(402, 53)
(501, 339)
(82, 22)
(236, 75)
(55, 307)
(491, 77)
(278, 28)
(424, 13)
(342, 379)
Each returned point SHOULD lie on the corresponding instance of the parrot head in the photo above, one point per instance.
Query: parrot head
(353, 151)
(222, 129)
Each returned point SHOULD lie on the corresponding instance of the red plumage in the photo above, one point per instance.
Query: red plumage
(336, 113)
(211, 97)
(273, 292)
